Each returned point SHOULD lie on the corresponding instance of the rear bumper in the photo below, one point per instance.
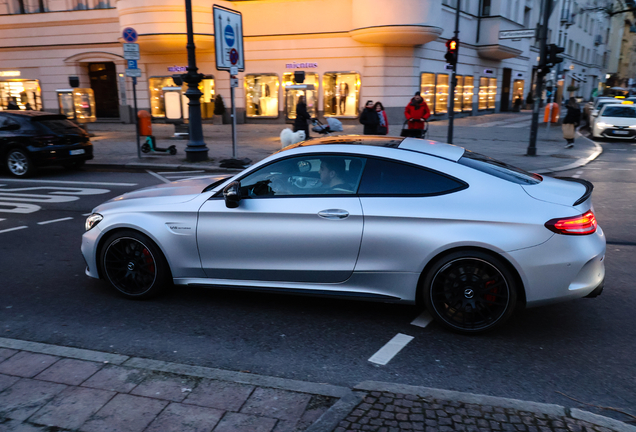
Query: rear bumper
(53, 155)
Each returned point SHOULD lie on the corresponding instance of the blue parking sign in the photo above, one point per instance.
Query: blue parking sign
(132, 64)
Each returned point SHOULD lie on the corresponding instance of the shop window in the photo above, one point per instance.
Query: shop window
(441, 94)
(468, 94)
(292, 95)
(458, 93)
(517, 90)
(492, 92)
(26, 93)
(483, 93)
(427, 89)
(157, 104)
(261, 95)
(341, 91)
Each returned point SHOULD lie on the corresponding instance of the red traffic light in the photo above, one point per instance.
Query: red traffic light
(452, 45)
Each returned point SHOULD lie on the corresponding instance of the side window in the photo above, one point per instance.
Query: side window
(8, 124)
(305, 175)
(386, 178)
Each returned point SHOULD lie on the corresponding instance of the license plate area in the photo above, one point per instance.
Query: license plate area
(76, 152)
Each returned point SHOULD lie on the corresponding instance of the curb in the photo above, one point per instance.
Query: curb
(598, 150)
(348, 399)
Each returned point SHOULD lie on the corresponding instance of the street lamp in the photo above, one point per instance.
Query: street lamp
(196, 149)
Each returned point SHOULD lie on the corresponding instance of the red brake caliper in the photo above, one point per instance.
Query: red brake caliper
(149, 261)
(491, 297)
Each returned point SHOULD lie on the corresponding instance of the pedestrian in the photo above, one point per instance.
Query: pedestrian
(416, 112)
(571, 120)
(383, 127)
(529, 100)
(302, 116)
(13, 104)
(369, 118)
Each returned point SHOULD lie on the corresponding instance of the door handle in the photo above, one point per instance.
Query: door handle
(333, 214)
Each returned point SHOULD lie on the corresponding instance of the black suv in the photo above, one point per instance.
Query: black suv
(29, 139)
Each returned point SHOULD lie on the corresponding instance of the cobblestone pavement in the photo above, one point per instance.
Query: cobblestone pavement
(390, 412)
(49, 388)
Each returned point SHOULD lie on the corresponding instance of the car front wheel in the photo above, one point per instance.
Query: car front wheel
(19, 163)
(470, 292)
(134, 265)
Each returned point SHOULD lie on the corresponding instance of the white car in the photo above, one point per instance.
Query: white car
(615, 121)
(378, 218)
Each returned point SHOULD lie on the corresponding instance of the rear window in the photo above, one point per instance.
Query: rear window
(61, 126)
(499, 169)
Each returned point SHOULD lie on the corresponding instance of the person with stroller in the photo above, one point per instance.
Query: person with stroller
(302, 116)
(369, 118)
(416, 112)
(383, 127)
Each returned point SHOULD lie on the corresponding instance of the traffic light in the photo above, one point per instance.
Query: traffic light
(452, 46)
(552, 54)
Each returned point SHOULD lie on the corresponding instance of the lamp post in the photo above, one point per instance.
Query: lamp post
(196, 149)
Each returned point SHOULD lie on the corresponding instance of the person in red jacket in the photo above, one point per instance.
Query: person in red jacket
(416, 112)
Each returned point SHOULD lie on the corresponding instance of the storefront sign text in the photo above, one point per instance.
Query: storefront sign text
(177, 69)
(295, 65)
(9, 73)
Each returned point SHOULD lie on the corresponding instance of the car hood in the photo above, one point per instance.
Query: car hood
(618, 121)
(557, 191)
(174, 192)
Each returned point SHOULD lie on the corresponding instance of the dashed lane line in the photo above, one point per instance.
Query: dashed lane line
(578, 174)
(154, 174)
(392, 347)
(620, 169)
(13, 229)
(422, 320)
(70, 182)
(55, 220)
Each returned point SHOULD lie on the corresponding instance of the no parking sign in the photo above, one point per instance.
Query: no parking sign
(228, 38)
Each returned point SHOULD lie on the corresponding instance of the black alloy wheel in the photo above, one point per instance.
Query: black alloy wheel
(470, 292)
(19, 163)
(134, 265)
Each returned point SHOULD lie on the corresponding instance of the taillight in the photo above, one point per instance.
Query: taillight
(45, 140)
(576, 225)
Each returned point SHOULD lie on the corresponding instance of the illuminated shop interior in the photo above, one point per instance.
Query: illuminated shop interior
(341, 91)
(434, 91)
(157, 103)
(77, 104)
(487, 93)
(517, 89)
(292, 95)
(261, 95)
(25, 93)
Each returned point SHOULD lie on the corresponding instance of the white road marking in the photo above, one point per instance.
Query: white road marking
(621, 169)
(87, 214)
(617, 149)
(2, 219)
(392, 347)
(13, 229)
(17, 207)
(163, 179)
(578, 174)
(495, 123)
(55, 220)
(181, 172)
(422, 320)
(72, 182)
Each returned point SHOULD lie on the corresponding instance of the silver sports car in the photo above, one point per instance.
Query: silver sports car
(381, 218)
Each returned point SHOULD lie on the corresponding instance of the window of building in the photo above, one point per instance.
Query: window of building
(441, 94)
(292, 94)
(427, 89)
(468, 92)
(517, 90)
(485, 8)
(341, 93)
(458, 93)
(261, 95)
(570, 47)
(492, 92)
(21, 91)
(487, 93)
(526, 16)
(157, 103)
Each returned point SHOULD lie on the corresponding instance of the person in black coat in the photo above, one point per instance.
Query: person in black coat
(571, 121)
(369, 118)
(302, 116)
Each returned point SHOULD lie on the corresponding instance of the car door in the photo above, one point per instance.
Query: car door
(289, 225)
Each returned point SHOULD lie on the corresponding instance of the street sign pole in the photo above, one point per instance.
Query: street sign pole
(233, 84)
(546, 9)
(451, 93)
(134, 83)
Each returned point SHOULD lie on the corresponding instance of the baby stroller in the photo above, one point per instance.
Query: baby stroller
(414, 133)
(333, 125)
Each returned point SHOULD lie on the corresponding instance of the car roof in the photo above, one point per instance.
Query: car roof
(429, 147)
(34, 114)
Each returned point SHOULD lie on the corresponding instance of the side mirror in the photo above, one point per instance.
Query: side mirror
(232, 194)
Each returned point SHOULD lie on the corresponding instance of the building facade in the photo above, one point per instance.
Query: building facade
(351, 51)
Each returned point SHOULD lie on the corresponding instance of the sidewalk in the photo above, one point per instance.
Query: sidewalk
(500, 136)
(46, 388)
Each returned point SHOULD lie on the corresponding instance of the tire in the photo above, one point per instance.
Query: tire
(145, 148)
(132, 264)
(470, 292)
(74, 165)
(173, 150)
(19, 163)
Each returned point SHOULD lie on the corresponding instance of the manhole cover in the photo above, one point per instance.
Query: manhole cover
(563, 156)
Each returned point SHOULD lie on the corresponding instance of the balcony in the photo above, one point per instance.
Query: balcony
(491, 47)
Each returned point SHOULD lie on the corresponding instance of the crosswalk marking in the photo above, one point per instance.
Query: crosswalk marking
(13, 229)
(392, 347)
(55, 220)
(422, 320)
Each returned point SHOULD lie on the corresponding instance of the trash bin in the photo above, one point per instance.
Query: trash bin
(551, 113)
(145, 123)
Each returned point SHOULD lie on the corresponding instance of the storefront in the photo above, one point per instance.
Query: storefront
(341, 94)
(26, 93)
(292, 94)
(434, 90)
(156, 85)
(487, 93)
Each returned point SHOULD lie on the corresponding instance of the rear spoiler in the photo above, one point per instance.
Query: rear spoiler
(589, 187)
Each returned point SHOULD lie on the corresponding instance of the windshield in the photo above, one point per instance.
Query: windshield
(498, 169)
(619, 111)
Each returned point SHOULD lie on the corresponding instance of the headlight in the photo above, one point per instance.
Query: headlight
(604, 125)
(632, 127)
(93, 220)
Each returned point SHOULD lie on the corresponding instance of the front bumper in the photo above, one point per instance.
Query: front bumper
(617, 133)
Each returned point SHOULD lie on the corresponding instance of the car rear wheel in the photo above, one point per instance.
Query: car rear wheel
(19, 163)
(134, 265)
(470, 292)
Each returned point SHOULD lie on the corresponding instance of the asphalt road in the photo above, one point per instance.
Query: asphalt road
(583, 349)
